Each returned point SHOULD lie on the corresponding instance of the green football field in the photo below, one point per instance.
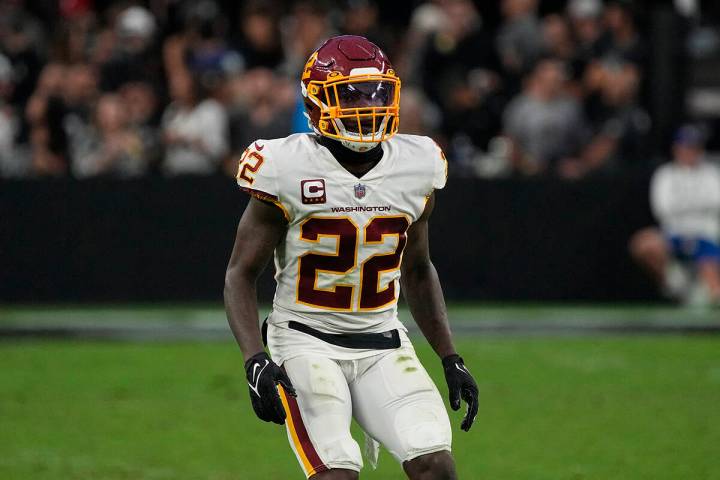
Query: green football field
(591, 407)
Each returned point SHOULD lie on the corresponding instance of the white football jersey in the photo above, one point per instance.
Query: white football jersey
(338, 267)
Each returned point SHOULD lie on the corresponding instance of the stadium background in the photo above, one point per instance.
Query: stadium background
(120, 129)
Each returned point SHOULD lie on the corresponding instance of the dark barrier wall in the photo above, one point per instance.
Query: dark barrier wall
(160, 239)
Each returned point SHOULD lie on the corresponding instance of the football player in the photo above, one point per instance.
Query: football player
(345, 211)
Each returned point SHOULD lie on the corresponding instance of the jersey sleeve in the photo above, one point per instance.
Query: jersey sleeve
(257, 175)
(440, 167)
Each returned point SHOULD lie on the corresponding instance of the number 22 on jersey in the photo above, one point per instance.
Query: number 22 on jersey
(250, 163)
(372, 295)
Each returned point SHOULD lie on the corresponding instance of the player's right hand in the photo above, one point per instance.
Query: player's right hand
(263, 375)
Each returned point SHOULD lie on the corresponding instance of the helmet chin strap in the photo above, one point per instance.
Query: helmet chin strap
(358, 146)
(349, 156)
(349, 144)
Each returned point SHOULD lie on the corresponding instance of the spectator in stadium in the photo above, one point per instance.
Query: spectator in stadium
(361, 18)
(306, 27)
(259, 38)
(620, 126)
(621, 43)
(79, 97)
(426, 20)
(80, 92)
(74, 37)
(685, 198)
(22, 41)
(585, 19)
(141, 104)
(304, 30)
(460, 75)
(10, 163)
(111, 147)
(420, 117)
(194, 129)
(558, 42)
(619, 49)
(519, 39)
(261, 106)
(207, 53)
(134, 55)
(44, 113)
(544, 124)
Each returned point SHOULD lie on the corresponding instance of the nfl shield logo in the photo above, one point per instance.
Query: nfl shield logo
(359, 190)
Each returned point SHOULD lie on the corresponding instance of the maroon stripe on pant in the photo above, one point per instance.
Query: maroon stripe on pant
(302, 434)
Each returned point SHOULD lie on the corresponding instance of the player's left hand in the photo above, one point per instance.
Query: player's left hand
(461, 385)
(263, 376)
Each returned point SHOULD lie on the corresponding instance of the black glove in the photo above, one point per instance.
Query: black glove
(263, 375)
(461, 384)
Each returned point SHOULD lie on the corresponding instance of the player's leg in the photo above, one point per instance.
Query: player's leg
(709, 273)
(336, 474)
(709, 268)
(433, 466)
(649, 249)
(664, 259)
(318, 419)
(396, 402)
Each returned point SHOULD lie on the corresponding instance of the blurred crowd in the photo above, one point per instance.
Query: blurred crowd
(171, 87)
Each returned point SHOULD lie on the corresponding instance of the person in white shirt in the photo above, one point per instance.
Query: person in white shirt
(685, 199)
(194, 129)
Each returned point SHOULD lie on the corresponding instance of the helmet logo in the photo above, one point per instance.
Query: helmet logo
(308, 66)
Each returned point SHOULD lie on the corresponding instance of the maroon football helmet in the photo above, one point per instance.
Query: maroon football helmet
(351, 92)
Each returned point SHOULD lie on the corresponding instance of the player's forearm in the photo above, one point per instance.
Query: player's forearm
(424, 296)
(241, 307)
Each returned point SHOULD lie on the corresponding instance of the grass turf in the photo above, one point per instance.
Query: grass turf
(569, 408)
